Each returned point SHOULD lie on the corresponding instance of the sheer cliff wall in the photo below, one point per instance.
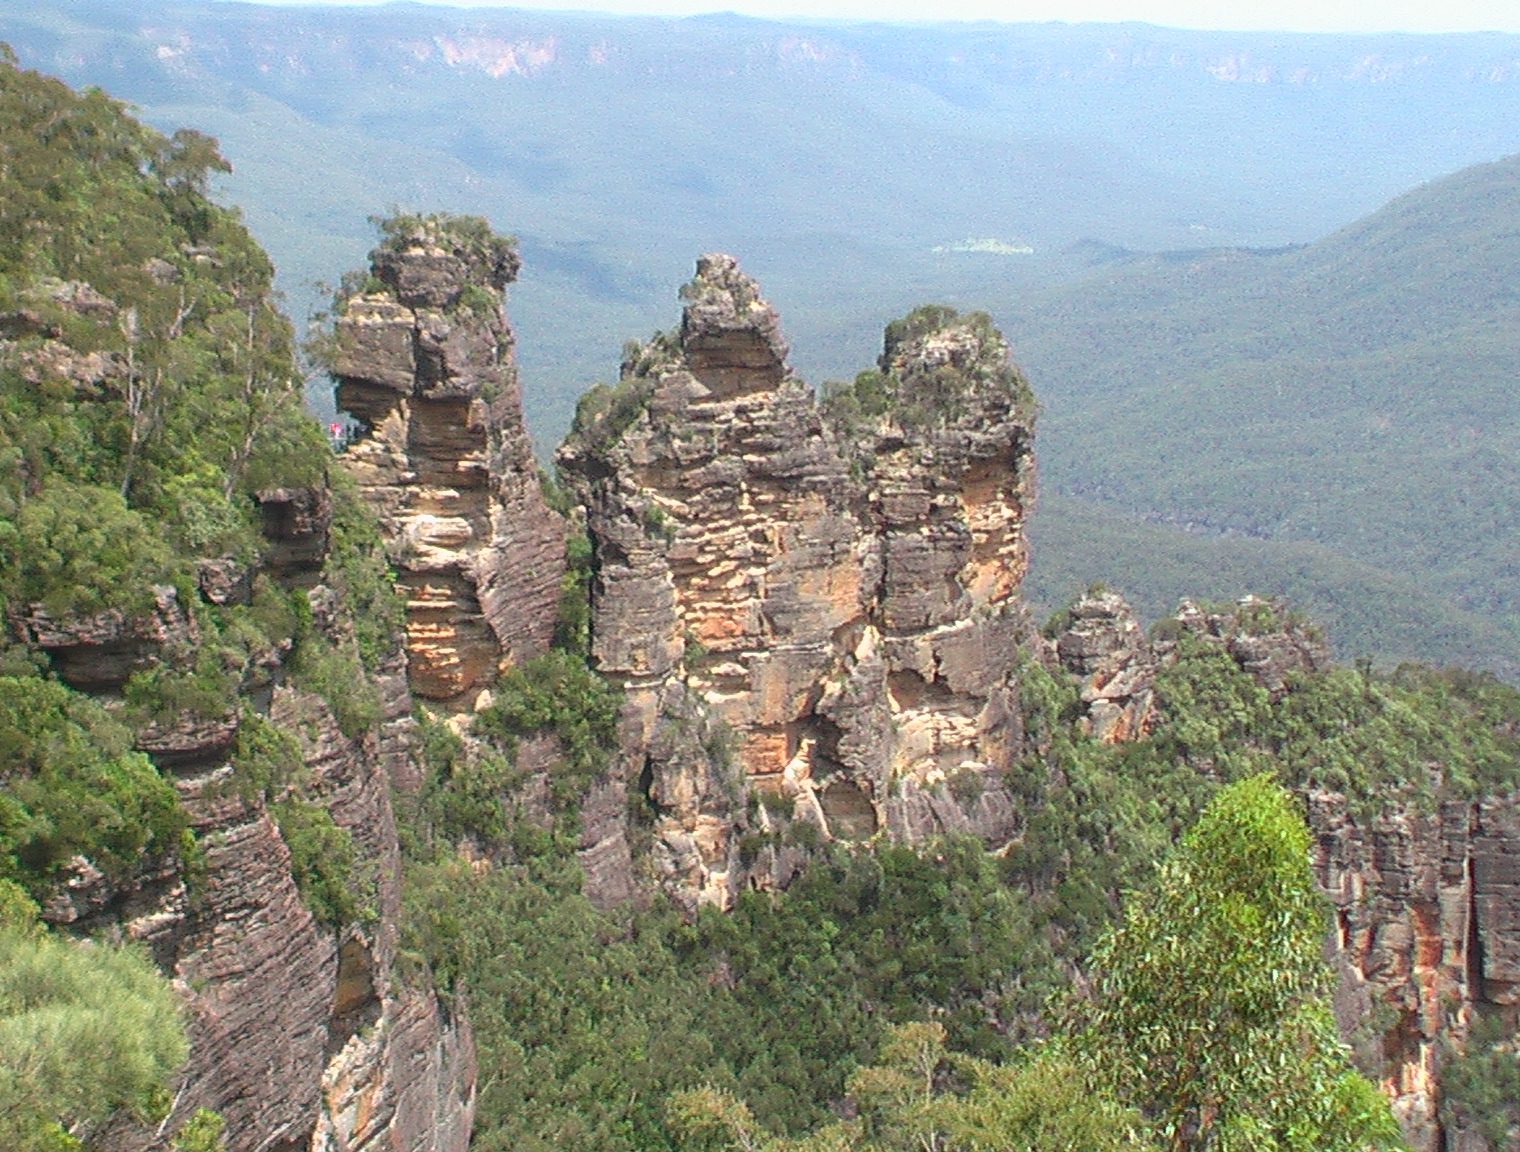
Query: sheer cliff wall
(302, 1033)
(302, 1036)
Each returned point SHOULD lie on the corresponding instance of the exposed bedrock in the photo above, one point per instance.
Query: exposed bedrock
(836, 589)
(302, 1036)
(424, 360)
(1425, 895)
(1427, 935)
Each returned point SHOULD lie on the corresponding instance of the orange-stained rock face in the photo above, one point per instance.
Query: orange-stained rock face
(779, 567)
(444, 460)
(1104, 647)
(1425, 935)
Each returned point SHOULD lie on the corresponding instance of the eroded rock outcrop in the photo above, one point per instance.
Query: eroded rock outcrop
(196, 754)
(834, 585)
(99, 651)
(1427, 936)
(424, 361)
(301, 1036)
(1103, 645)
(1267, 640)
(1425, 892)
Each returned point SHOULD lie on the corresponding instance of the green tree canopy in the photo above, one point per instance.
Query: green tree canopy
(70, 784)
(84, 1030)
(1208, 1008)
(921, 1097)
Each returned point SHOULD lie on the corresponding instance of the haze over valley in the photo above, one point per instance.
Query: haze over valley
(862, 169)
(651, 750)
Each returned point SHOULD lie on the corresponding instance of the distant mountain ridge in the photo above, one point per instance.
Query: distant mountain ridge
(837, 157)
(862, 170)
(1354, 394)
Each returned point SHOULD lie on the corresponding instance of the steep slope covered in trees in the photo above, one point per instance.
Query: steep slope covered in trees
(200, 678)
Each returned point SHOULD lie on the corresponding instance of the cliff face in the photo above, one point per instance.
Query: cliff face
(424, 363)
(305, 1036)
(829, 624)
(301, 1037)
(1425, 894)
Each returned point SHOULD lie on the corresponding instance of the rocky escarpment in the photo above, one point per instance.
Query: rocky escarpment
(1424, 891)
(1427, 934)
(424, 362)
(301, 1036)
(1101, 643)
(818, 615)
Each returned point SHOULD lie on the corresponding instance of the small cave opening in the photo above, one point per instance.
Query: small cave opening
(356, 1004)
(827, 736)
(645, 809)
(906, 690)
(353, 411)
(847, 810)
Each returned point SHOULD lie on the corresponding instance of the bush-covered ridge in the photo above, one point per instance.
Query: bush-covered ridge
(937, 367)
(148, 387)
(150, 409)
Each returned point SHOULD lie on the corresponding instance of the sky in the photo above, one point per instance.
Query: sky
(1278, 15)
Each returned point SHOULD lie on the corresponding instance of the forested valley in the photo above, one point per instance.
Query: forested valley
(263, 884)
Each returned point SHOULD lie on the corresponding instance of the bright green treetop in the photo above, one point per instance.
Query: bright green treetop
(84, 1030)
(1209, 1009)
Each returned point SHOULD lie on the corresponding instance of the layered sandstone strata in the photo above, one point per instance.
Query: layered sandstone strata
(424, 363)
(297, 1033)
(300, 1036)
(1103, 646)
(813, 604)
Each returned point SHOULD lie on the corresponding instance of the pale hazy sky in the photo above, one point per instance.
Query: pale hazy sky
(1282, 15)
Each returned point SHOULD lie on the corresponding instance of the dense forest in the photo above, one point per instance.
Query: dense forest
(1282, 412)
(1143, 966)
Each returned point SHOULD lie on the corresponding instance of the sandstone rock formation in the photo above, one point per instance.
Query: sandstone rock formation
(812, 611)
(1266, 640)
(101, 650)
(820, 615)
(1104, 647)
(299, 1038)
(1425, 894)
(1427, 935)
(293, 1031)
(424, 361)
